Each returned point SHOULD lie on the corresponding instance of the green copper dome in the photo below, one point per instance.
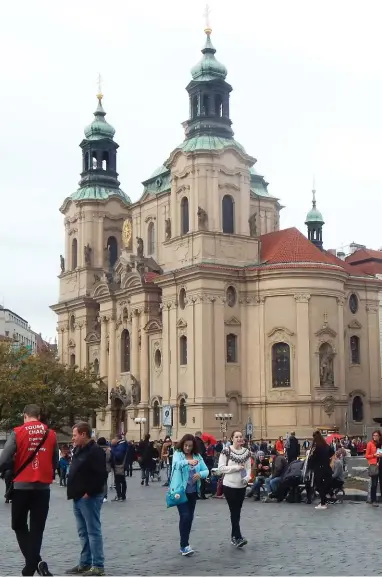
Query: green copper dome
(208, 68)
(99, 128)
(209, 142)
(314, 215)
(95, 192)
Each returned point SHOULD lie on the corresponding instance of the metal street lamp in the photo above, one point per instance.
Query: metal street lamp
(140, 421)
(223, 418)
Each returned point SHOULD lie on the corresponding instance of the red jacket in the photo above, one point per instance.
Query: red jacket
(371, 450)
(40, 470)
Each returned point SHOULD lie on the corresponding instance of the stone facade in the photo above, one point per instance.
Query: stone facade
(192, 297)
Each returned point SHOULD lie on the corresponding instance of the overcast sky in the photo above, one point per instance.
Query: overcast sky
(307, 79)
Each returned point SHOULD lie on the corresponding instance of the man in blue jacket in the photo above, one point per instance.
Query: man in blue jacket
(118, 462)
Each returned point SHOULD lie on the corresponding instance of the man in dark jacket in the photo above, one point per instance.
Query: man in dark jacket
(279, 465)
(145, 451)
(203, 453)
(293, 450)
(87, 476)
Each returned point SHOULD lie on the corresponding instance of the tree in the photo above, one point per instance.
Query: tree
(64, 394)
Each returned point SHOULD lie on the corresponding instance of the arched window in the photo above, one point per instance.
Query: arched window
(150, 239)
(184, 216)
(357, 409)
(86, 161)
(326, 365)
(183, 412)
(218, 105)
(156, 414)
(74, 253)
(355, 350)
(231, 348)
(206, 104)
(125, 351)
(280, 365)
(195, 107)
(112, 247)
(94, 160)
(183, 350)
(96, 367)
(228, 214)
(105, 160)
(72, 360)
(72, 323)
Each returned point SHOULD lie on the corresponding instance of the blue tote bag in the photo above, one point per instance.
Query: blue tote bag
(176, 495)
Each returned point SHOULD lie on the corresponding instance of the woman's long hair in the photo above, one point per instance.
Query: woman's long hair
(379, 443)
(318, 439)
(186, 438)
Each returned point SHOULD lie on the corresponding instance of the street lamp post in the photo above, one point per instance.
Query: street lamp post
(140, 421)
(223, 418)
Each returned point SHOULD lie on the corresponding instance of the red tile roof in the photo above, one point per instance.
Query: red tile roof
(364, 254)
(290, 245)
(150, 276)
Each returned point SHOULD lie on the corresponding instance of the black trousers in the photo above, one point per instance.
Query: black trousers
(120, 486)
(234, 498)
(374, 485)
(36, 503)
(323, 482)
(129, 469)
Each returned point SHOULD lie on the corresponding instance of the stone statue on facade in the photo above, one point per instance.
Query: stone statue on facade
(135, 391)
(202, 219)
(326, 367)
(87, 254)
(252, 225)
(118, 393)
(62, 263)
(139, 247)
(168, 228)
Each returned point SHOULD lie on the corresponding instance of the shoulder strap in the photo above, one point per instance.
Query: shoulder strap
(32, 456)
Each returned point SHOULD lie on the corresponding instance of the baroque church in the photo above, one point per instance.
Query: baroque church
(192, 303)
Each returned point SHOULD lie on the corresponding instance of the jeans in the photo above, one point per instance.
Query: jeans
(259, 482)
(145, 475)
(36, 503)
(234, 498)
(374, 485)
(120, 486)
(272, 484)
(63, 476)
(186, 516)
(87, 512)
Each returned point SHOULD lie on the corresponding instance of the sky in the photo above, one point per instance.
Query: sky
(307, 80)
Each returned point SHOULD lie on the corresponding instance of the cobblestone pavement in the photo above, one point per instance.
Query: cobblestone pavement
(141, 538)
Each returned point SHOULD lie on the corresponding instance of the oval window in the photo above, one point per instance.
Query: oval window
(158, 359)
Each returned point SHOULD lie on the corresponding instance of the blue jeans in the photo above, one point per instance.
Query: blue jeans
(272, 484)
(186, 516)
(87, 512)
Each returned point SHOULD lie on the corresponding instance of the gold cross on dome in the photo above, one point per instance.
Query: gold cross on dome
(99, 81)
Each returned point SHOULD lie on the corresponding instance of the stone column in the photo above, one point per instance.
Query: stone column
(166, 357)
(303, 349)
(80, 242)
(341, 348)
(65, 343)
(112, 352)
(372, 309)
(174, 353)
(174, 208)
(103, 368)
(67, 255)
(214, 195)
(144, 373)
(253, 351)
(243, 216)
(219, 345)
(100, 257)
(135, 344)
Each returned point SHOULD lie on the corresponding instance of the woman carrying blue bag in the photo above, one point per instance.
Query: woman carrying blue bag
(188, 468)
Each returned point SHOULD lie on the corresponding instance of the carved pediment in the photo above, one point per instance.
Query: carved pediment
(355, 325)
(326, 330)
(183, 188)
(154, 326)
(229, 186)
(132, 280)
(232, 322)
(72, 343)
(101, 289)
(181, 324)
(282, 330)
(93, 337)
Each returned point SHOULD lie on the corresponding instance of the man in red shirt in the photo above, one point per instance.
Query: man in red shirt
(31, 493)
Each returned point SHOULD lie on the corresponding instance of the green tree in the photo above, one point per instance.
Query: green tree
(64, 394)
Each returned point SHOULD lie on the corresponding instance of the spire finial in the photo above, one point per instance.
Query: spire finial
(99, 94)
(314, 192)
(207, 13)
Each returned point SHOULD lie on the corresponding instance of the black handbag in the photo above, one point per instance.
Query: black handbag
(373, 470)
(9, 491)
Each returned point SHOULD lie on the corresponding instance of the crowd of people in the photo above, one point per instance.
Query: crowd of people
(196, 466)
